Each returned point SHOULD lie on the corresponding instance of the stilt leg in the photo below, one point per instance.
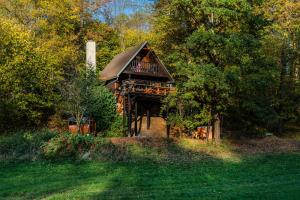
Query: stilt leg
(135, 119)
(129, 115)
(168, 130)
(168, 126)
(148, 119)
(124, 116)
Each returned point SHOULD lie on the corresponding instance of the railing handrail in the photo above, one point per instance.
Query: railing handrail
(131, 86)
(142, 82)
(144, 67)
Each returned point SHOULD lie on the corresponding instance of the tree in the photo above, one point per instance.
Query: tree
(73, 100)
(225, 35)
(85, 96)
(102, 106)
(130, 20)
(281, 45)
(42, 48)
(26, 87)
(200, 99)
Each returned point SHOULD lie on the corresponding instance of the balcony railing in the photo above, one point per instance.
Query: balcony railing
(146, 87)
(144, 67)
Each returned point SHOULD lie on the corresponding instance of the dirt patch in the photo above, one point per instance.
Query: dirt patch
(157, 127)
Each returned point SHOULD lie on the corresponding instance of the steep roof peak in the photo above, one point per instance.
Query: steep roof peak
(120, 62)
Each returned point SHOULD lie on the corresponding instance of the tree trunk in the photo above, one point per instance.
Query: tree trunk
(217, 129)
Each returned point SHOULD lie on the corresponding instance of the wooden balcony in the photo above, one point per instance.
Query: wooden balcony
(145, 87)
(146, 68)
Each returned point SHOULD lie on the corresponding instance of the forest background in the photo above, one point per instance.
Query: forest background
(234, 61)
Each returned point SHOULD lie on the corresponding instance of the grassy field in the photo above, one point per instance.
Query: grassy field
(181, 171)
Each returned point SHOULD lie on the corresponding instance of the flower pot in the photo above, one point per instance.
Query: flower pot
(73, 129)
(85, 128)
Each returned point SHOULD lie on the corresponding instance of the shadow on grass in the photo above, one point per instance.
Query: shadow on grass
(187, 172)
(157, 170)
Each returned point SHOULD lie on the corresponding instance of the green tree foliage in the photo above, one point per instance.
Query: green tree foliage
(132, 29)
(102, 106)
(28, 78)
(130, 19)
(85, 96)
(202, 94)
(42, 49)
(232, 59)
(226, 35)
(281, 46)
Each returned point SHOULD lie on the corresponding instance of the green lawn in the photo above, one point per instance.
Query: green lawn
(272, 176)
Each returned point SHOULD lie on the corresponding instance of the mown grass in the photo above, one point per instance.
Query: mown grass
(212, 176)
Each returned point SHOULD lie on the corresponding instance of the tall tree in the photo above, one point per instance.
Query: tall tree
(28, 77)
(43, 47)
(129, 18)
(282, 46)
(225, 35)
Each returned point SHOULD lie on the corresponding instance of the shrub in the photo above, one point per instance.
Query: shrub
(67, 145)
(24, 143)
(102, 107)
(115, 130)
(44, 144)
(83, 147)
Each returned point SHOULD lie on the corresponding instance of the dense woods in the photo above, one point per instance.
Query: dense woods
(233, 60)
(189, 99)
(236, 63)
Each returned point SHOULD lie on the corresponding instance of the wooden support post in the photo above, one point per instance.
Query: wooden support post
(124, 115)
(136, 118)
(129, 115)
(148, 119)
(168, 126)
(168, 130)
(141, 121)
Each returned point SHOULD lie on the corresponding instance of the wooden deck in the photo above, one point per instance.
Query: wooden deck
(136, 87)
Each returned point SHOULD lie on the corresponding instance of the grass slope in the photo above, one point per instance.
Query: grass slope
(223, 175)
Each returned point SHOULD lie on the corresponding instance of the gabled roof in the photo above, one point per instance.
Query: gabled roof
(119, 63)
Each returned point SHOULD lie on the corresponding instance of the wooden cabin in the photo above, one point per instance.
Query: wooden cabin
(139, 81)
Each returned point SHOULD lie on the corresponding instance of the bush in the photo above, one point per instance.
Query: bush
(44, 144)
(24, 143)
(67, 145)
(83, 147)
(102, 107)
(115, 130)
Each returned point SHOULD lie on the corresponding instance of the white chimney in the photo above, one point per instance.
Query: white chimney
(91, 55)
